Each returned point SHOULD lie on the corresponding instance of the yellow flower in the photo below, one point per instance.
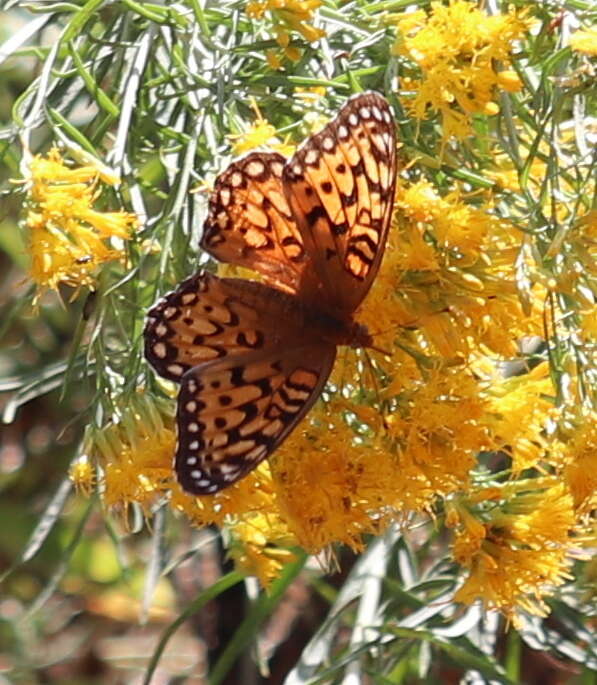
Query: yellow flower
(258, 543)
(141, 472)
(471, 533)
(530, 396)
(588, 324)
(408, 24)
(506, 175)
(509, 80)
(293, 54)
(273, 59)
(516, 553)
(68, 238)
(456, 225)
(310, 95)
(284, 18)
(256, 10)
(348, 470)
(82, 474)
(458, 66)
(584, 41)
(328, 486)
(252, 494)
(577, 452)
(259, 133)
(437, 429)
(449, 273)
(135, 453)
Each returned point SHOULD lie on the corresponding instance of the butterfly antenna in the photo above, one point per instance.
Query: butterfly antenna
(375, 383)
(369, 364)
(412, 325)
(386, 353)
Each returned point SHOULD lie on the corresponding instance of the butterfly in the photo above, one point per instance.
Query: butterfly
(252, 357)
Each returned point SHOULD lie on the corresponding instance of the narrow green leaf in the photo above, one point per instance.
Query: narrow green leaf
(95, 91)
(465, 657)
(196, 605)
(71, 131)
(76, 24)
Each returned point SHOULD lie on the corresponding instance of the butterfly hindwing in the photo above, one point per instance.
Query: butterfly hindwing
(250, 224)
(340, 187)
(209, 318)
(233, 413)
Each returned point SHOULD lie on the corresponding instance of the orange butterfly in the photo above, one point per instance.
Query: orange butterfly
(251, 358)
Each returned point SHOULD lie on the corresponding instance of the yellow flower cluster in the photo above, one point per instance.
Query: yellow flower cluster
(331, 486)
(68, 238)
(259, 545)
(249, 511)
(450, 271)
(518, 543)
(134, 455)
(396, 432)
(261, 132)
(530, 395)
(287, 16)
(576, 454)
(399, 430)
(457, 47)
(83, 476)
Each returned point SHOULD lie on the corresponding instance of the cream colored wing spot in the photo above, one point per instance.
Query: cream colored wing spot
(311, 157)
(176, 370)
(343, 132)
(236, 179)
(160, 350)
(255, 168)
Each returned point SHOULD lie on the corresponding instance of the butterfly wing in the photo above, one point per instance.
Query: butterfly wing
(233, 413)
(250, 224)
(340, 188)
(249, 364)
(209, 318)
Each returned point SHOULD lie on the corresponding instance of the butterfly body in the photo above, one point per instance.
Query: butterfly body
(252, 357)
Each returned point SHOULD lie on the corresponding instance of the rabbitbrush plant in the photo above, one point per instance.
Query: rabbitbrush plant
(432, 517)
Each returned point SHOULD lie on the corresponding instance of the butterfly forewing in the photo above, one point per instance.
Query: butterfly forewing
(233, 413)
(340, 188)
(250, 224)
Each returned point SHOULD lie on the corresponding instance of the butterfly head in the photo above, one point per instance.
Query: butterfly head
(360, 336)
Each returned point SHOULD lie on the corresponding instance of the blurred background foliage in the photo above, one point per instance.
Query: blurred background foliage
(155, 92)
